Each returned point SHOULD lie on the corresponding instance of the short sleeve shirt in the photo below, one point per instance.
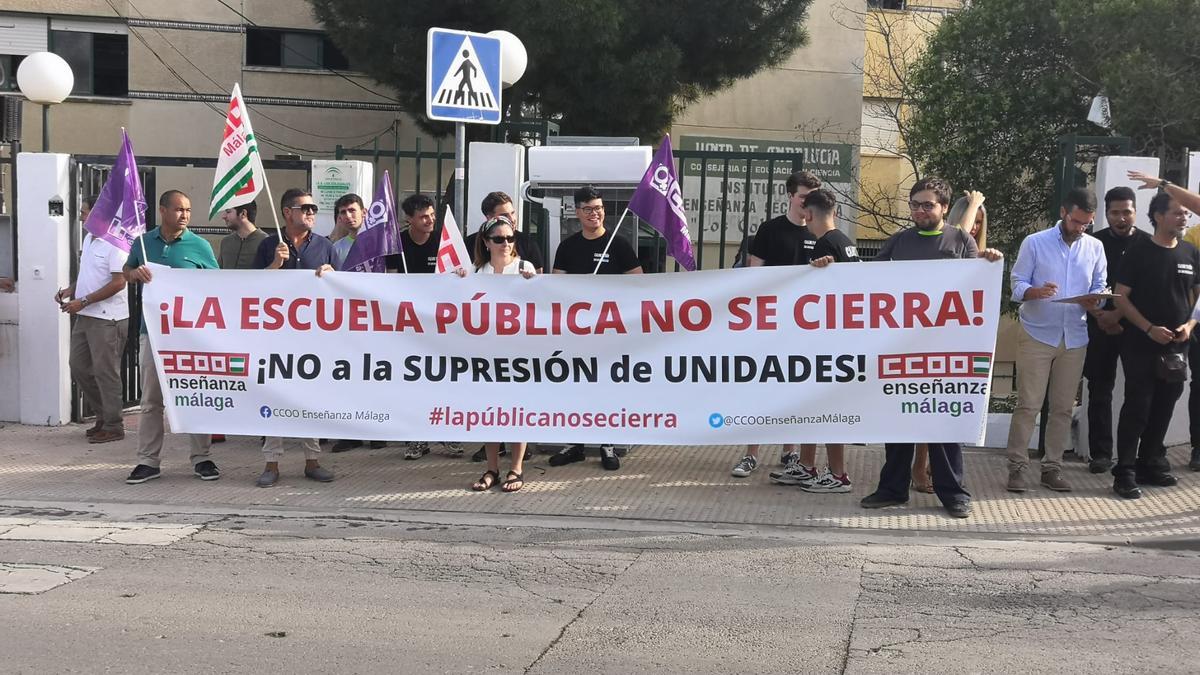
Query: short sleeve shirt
(579, 255)
(98, 261)
(779, 241)
(913, 244)
(418, 258)
(316, 250)
(835, 243)
(1161, 283)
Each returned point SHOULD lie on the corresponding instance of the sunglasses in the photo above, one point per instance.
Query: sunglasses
(306, 208)
(499, 239)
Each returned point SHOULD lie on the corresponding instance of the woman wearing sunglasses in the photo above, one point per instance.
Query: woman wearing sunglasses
(495, 253)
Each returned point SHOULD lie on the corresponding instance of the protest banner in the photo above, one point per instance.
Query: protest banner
(871, 352)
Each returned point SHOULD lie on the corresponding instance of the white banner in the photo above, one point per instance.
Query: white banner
(868, 352)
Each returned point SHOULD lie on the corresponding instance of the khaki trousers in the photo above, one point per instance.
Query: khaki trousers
(96, 347)
(150, 422)
(273, 447)
(1039, 365)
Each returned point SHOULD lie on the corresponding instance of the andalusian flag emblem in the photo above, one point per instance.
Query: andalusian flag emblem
(240, 173)
(237, 365)
(981, 365)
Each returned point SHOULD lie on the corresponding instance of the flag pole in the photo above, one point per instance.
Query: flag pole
(610, 241)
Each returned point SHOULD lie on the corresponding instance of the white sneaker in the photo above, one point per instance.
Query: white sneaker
(827, 483)
(453, 449)
(788, 458)
(744, 467)
(795, 474)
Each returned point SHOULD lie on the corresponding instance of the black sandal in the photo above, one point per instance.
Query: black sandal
(486, 482)
(510, 479)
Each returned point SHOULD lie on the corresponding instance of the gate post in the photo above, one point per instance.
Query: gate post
(44, 255)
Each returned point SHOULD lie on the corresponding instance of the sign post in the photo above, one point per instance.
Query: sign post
(462, 86)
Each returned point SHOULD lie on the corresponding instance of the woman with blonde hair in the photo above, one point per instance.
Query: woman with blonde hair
(496, 253)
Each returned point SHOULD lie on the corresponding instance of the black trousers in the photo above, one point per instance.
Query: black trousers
(1100, 369)
(945, 462)
(1145, 416)
(1194, 395)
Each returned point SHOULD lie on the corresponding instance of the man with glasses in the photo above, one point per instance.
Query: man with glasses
(1062, 261)
(929, 200)
(173, 245)
(584, 253)
(300, 248)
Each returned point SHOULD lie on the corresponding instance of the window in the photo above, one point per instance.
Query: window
(8, 71)
(880, 127)
(886, 4)
(99, 61)
(293, 49)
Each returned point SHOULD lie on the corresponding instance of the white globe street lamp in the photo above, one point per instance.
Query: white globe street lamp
(45, 78)
(513, 57)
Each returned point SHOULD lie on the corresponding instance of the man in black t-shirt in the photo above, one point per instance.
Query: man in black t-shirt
(500, 205)
(832, 245)
(418, 243)
(1156, 287)
(584, 253)
(784, 240)
(1104, 330)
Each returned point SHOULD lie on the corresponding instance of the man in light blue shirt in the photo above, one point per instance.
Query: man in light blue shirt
(1058, 263)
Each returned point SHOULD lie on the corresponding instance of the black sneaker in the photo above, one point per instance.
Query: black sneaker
(1100, 465)
(206, 470)
(1127, 487)
(142, 473)
(343, 446)
(608, 458)
(1194, 465)
(1158, 480)
(567, 455)
(959, 509)
(876, 500)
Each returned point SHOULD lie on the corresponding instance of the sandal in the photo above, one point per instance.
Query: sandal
(486, 482)
(512, 479)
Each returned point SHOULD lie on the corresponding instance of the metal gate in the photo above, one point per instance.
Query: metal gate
(88, 175)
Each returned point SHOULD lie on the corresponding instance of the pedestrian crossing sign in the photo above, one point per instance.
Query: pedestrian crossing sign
(463, 77)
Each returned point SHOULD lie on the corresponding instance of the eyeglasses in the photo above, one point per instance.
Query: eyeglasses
(922, 206)
(306, 208)
(591, 209)
(500, 239)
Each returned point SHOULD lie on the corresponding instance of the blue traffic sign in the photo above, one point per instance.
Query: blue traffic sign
(462, 77)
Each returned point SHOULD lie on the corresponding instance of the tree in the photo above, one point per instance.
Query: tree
(607, 67)
(1001, 80)
(990, 97)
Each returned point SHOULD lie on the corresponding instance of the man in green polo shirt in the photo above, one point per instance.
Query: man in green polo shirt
(169, 244)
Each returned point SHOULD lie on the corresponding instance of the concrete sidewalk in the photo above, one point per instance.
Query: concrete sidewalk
(677, 484)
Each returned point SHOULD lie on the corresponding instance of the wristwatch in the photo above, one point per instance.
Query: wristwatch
(1164, 184)
(84, 301)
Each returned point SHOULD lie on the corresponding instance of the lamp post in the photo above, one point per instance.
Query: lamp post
(45, 78)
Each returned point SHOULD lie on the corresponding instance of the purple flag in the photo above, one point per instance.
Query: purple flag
(659, 201)
(380, 235)
(119, 216)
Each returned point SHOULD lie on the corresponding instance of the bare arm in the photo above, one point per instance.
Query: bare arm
(1188, 199)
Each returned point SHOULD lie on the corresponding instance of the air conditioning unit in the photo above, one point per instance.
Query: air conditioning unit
(568, 167)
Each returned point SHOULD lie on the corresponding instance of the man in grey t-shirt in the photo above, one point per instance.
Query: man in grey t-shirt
(929, 201)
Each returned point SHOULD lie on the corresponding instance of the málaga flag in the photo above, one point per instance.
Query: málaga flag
(240, 173)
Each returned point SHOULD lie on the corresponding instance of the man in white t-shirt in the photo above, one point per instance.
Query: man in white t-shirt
(100, 305)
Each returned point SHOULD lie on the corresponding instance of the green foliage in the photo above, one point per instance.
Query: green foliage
(1003, 79)
(610, 67)
(991, 95)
